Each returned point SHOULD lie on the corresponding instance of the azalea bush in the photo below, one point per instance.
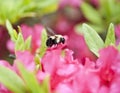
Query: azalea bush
(88, 61)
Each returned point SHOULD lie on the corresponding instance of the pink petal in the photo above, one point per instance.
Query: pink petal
(26, 58)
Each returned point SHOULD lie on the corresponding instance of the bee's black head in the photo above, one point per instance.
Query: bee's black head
(49, 42)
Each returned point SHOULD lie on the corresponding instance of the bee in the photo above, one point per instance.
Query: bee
(54, 39)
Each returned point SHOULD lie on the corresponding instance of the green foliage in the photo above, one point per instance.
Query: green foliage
(108, 8)
(27, 45)
(12, 32)
(20, 43)
(93, 40)
(110, 38)
(11, 80)
(99, 18)
(43, 47)
(13, 10)
(91, 13)
(27, 84)
(31, 82)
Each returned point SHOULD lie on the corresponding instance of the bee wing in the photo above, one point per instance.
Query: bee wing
(50, 32)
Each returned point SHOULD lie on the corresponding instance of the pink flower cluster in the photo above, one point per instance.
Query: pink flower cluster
(70, 75)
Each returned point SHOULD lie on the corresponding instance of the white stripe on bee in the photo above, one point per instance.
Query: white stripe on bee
(58, 40)
(52, 37)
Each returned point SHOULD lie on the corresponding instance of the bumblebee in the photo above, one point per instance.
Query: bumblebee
(54, 39)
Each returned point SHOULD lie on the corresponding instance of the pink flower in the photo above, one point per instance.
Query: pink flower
(109, 70)
(26, 58)
(3, 89)
(77, 44)
(86, 81)
(60, 68)
(10, 46)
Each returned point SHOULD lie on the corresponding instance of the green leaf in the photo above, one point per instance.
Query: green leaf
(27, 8)
(12, 32)
(19, 45)
(93, 40)
(31, 81)
(91, 14)
(108, 8)
(43, 43)
(48, 7)
(110, 38)
(98, 28)
(27, 45)
(11, 80)
(37, 62)
(45, 85)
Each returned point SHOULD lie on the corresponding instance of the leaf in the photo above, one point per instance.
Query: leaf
(98, 28)
(37, 62)
(11, 80)
(43, 43)
(45, 85)
(108, 8)
(91, 14)
(27, 8)
(31, 81)
(110, 38)
(19, 45)
(48, 7)
(12, 32)
(93, 40)
(27, 45)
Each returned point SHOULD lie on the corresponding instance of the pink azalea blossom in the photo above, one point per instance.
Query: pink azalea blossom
(109, 70)
(60, 68)
(26, 58)
(70, 71)
(102, 76)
